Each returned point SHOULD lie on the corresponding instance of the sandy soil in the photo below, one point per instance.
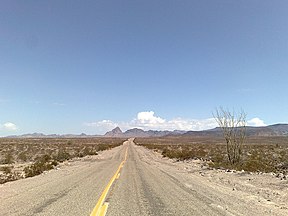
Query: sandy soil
(268, 189)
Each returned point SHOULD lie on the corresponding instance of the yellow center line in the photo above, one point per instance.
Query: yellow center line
(101, 207)
(104, 209)
(118, 176)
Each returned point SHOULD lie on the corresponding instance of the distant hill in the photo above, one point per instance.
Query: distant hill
(137, 132)
(271, 130)
(279, 129)
(41, 135)
(32, 135)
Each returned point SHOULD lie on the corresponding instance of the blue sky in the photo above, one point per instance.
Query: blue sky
(86, 66)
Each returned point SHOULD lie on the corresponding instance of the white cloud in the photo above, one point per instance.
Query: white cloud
(149, 118)
(102, 123)
(8, 126)
(256, 122)
(148, 121)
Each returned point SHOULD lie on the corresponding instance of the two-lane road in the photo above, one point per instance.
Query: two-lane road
(126, 181)
(72, 190)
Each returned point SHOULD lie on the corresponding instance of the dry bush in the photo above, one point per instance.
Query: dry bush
(259, 154)
(184, 152)
(233, 127)
(8, 174)
(62, 155)
(22, 156)
(6, 169)
(46, 153)
(8, 158)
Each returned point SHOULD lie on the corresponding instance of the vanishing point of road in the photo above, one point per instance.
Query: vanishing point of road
(125, 181)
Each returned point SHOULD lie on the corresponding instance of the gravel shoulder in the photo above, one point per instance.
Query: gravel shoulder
(238, 193)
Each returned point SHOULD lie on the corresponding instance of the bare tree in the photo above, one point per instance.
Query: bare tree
(233, 126)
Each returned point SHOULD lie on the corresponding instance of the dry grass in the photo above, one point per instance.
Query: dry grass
(38, 155)
(259, 154)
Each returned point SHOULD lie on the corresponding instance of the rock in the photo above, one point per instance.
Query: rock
(280, 175)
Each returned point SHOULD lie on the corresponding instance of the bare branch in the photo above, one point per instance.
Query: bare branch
(234, 131)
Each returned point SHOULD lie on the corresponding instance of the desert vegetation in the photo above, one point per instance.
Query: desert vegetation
(233, 126)
(259, 154)
(21, 158)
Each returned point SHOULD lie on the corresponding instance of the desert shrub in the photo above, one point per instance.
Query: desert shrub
(86, 151)
(258, 154)
(6, 169)
(45, 153)
(103, 147)
(11, 176)
(184, 152)
(42, 163)
(79, 154)
(8, 158)
(43, 158)
(218, 160)
(22, 156)
(37, 168)
(264, 159)
(62, 155)
(255, 162)
(173, 153)
(233, 126)
(54, 163)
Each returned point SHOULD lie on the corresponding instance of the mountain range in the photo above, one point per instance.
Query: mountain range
(41, 135)
(136, 132)
(271, 130)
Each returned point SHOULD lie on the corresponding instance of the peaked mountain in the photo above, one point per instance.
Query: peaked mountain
(271, 130)
(116, 132)
(137, 132)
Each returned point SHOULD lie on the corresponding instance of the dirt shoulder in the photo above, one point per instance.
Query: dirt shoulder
(266, 189)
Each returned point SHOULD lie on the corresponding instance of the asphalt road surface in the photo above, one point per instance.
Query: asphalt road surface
(129, 182)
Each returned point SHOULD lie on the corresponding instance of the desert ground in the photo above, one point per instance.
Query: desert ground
(152, 182)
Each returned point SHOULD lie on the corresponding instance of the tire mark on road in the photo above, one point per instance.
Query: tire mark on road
(50, 201)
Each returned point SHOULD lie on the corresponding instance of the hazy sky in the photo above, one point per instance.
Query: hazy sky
(87, 66)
